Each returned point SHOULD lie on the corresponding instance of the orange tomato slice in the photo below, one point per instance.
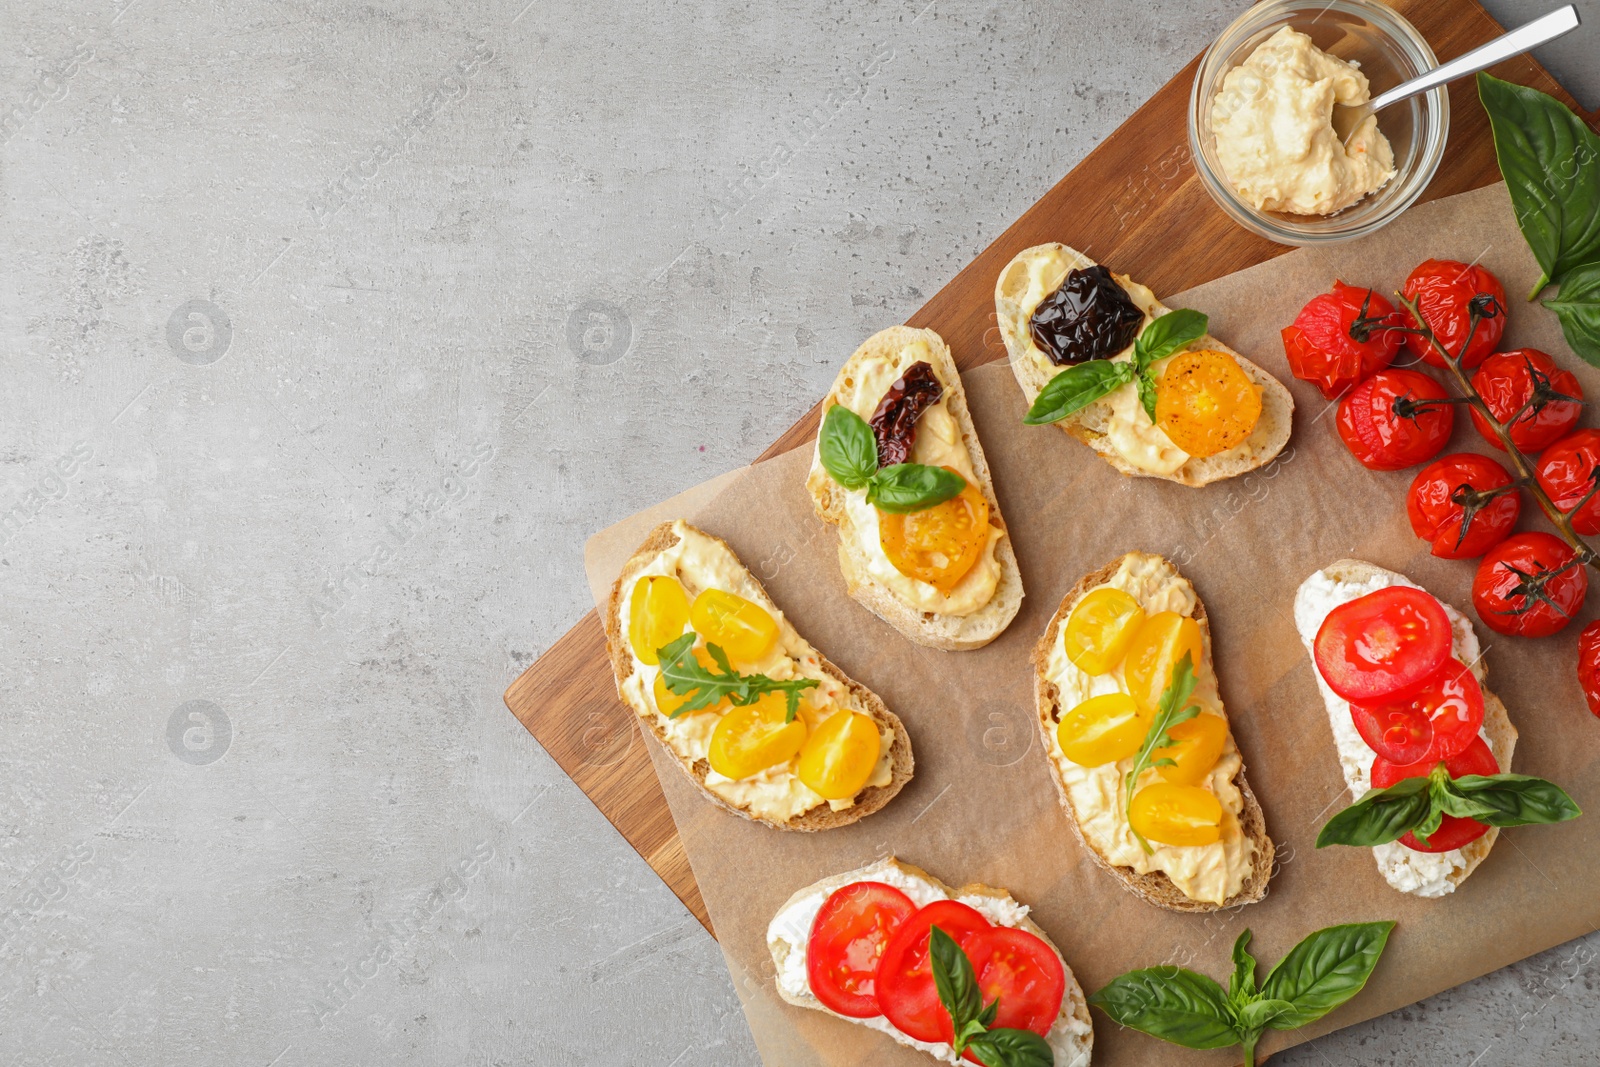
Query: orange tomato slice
(1176, 814)
(1206, 403)
(1155, 651)
(937, 545)
(1102, 729)
(746, 631)
(752, 738)
(1197, 745)
(839, 756)
(1099, 629)
(658, 611)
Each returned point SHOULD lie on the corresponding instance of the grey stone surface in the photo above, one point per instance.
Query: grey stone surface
(329, 333)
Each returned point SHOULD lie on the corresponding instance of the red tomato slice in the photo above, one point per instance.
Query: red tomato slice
(1453, 831)
(1382, 644)
(1398, 732)
(906, 994)
(1438, 720)
(847, 938)
(1024, 973)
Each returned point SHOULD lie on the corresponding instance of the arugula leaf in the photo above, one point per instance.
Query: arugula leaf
(907, 487)
(683, 675)
(1171, 1003)
(1076, 388)
(1548, 157)
(1577, 305)
(1418, 805)
(847, 447)
(1173, 707)
(1006, 1047)
(1242, 985)
(1168, 333)
(970, 1019)
(1324, 970)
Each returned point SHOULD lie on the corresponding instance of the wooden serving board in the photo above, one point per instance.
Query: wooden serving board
(1135, 203)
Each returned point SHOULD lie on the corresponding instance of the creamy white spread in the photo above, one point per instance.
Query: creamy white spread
(790, 931)
(1273, 120)
(699, 563)
(1210, 873)
(938, 443)
(1427, 874)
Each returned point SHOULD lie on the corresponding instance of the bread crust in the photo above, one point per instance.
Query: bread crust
(822, 817)
(949, 632)
(1261, 447)
(1154, 887)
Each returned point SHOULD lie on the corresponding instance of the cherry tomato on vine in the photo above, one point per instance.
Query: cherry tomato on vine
(1589, 665)
(1529, 585)
(1454, 831)
(1342, 337)
(1446, 291)
(1384, 430)
(1450, 508)
(1526, 380)
(1567, 471)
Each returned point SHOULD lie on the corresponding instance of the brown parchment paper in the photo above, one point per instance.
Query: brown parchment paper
(982, 808)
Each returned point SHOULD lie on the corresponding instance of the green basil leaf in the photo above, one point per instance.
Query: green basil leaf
(1166, 334)
(847, 447)
(1243, 982)
(1147, 394)
(956, 984)
(1012, 1048)
(1325, 970)
(1577, 305)
(1171, 1003)
(1382, 815)
(1076, 388)
(1257, 1015)
(1550, 160)
(907, 487)
(1515, 799)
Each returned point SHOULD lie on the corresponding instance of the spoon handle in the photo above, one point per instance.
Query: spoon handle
(1539, 31)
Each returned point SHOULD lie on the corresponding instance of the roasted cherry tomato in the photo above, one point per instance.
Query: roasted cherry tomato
(1102, 729)
(1384, 644)
(744, 630)
(906, 993)
(1529, 585)
(1098, 630)
(1589, 665)
(658, 610)
(668, 702)
(847, 939)
(1206, 403)
(1341, 338)
(1198, 744)
(1445, 291)
(749, 739)
(1454, 831)
(1176, 814)
(1158, 646)
(937, 545)
(1445, 489)
(1527, 384)
(1023, 973)
(1568, 470)
(1435, 722)
(1382, 428)
(840, 754)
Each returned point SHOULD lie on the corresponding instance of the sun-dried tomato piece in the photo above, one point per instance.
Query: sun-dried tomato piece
(894, 423)
(1089, 317)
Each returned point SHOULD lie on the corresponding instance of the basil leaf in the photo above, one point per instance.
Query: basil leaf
(1578, 308)
(1515, 799)
(1382, 815)
(1243, 982)
(1147, 394)
(1076, 388)
(1012, 1048)
(1171, 1003)
(847, 447)
(907, 487)
(1257, 1015)
(1549, 159)
(1325, 970)
(956, 984)
(1166, 334)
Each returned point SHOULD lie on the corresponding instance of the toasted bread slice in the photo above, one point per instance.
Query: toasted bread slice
(1016, 294)
(1406, 870)
(924, 623)
(1071, 1037)
(823, 816)
(1154, 886)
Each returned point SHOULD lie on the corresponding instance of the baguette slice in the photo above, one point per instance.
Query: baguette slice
(1406, 870)
(1154, 886)
(1072, 1037)
(828, 497)
(1013, 308)
(821, 817)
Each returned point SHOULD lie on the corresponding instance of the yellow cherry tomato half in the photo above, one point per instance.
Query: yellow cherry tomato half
(937, 545)
(658, 611)
(1098, 630)
(839, 756)
(668, 702)
(1176, 814)
(1102, 729)
(1198, 744)
(1157, 647)
(1206, 403)
(752, 738)
(746, 631)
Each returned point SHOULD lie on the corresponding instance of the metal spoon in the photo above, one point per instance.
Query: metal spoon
(1346, 120)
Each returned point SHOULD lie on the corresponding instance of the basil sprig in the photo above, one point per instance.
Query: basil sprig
(1174, 707)
(848, 450)
(1185, 1008)
(1079, 386)
(684, 675)
(971, 1019)
(1418, 806)
(1578, 308)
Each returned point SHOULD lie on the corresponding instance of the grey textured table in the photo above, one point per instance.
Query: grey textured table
(330, 332)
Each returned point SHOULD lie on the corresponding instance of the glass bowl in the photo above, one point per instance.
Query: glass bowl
(1389, 50)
